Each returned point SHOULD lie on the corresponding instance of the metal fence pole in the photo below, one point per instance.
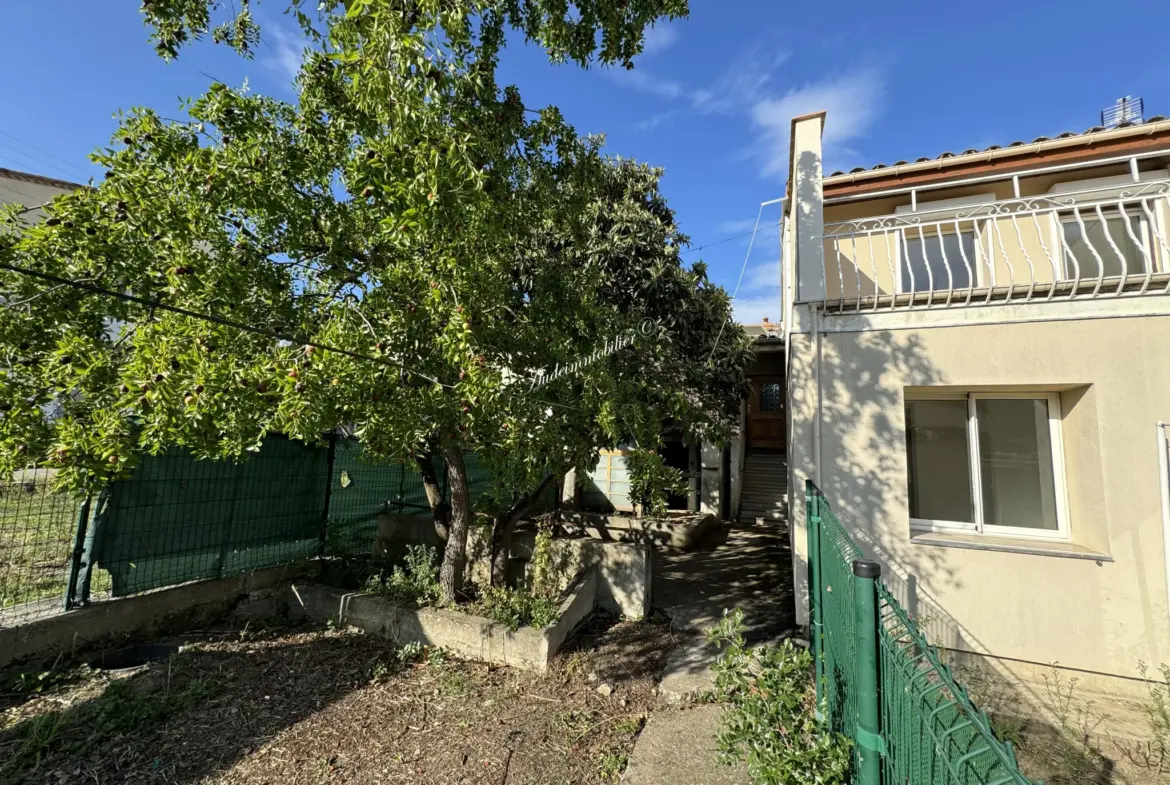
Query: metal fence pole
(329, 458)
(73, 587)
(812, 521)
(868, 732)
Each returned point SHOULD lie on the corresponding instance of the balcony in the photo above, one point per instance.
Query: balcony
(1104, 242)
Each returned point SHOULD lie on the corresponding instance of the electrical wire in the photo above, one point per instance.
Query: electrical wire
(32, 146)
(240, 326)
(753, 232)
(742, 270)
(81, 285)
(214, 319)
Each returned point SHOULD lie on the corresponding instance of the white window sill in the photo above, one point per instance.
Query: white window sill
(982, 542)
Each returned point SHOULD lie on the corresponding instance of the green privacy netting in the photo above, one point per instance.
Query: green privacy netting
(178, 519)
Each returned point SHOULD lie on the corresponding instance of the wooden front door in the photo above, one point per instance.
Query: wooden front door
(765, 414)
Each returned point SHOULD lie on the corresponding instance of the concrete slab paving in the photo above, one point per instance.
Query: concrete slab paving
(677, 747)
(747, 567)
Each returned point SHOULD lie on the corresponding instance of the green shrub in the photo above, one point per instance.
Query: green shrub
(516, 608)
(414, 582)
(652, 481)
(769, 720)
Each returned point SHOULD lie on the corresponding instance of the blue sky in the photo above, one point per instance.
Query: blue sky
(710, 100)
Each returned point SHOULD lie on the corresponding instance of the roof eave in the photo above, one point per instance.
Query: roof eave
(1086, 147)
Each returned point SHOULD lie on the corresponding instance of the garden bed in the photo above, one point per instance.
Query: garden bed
(464, 633)
(328, 705)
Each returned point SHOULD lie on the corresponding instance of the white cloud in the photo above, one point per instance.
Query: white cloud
(762, 276)
(853, 101)
(653, 121)
(286, 51)
(740, 85)
(759, 294)
(659, 39)
(752, 310)
(646, 82)
(735, 227)
(733, 92)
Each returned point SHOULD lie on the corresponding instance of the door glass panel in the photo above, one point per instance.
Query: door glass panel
(1080, 245)
(939, 461)
(1015, 461)
(770, 397)
(921, 253)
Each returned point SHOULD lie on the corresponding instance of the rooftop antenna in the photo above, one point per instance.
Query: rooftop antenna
(1124, 110)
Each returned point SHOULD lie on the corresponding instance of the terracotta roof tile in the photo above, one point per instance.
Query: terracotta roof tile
(1017, 143)
(27, 177)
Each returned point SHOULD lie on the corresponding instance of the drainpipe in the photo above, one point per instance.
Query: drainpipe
(1164, 471)
(816, 335)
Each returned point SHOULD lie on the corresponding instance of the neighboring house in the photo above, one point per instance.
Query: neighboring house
(31, 191)
(978, 350)
(741, 481)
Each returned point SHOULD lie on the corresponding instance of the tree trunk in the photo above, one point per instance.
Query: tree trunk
(451, 572)
(440, 510)
(504, 525)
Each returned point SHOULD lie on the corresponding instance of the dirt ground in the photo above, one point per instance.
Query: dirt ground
(328, 706)
(1053, 757)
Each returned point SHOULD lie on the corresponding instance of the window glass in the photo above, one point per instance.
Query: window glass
(770, 397)
(1015, 463)
(920, 253)
(1079, 244)
(939, 461)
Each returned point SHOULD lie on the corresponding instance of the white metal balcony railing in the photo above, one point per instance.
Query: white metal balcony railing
(1102, 242)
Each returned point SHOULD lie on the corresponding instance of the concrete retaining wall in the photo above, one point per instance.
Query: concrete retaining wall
(469, 636)
(259, 594)
(623, 572)
(677, 531)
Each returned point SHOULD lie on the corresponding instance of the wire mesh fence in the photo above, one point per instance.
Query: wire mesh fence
(929, 731)
(37, 531)
(176, 519)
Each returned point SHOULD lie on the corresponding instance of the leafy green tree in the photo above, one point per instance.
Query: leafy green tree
(401, 252)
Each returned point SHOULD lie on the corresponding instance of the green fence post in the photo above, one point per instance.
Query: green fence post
(812, 521)
(868, 733)
(73, 588)
(330, 456)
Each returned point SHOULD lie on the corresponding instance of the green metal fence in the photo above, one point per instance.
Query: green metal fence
(881, 683)
(177, 519)
(37, 530)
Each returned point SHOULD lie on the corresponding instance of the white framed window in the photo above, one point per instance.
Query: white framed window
(924, 260)
(987, 463)
(609, 484)
(965, 252)
(1098, 247)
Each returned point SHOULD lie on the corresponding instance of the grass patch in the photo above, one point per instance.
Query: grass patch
(610, 766)
(123, 708)
(37, 529)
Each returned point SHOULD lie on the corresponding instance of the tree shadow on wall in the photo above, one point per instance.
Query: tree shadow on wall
(863, 377)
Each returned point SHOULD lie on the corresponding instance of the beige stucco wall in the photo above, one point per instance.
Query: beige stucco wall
(1114, 381)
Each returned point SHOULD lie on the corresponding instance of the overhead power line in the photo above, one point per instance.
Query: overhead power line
(753, 232)
(81, 285)
(74, 167)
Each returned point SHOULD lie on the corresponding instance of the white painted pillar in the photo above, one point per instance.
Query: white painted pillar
(808, 209)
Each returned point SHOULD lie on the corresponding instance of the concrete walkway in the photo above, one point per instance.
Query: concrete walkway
(747, 567)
